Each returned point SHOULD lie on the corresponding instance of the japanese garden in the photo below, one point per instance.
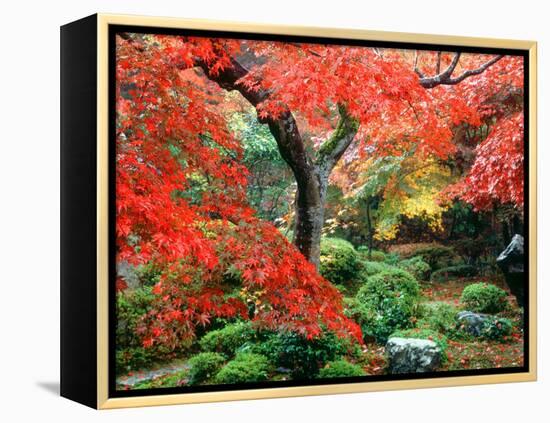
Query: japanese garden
(296, 211)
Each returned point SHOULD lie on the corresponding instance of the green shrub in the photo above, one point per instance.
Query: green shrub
(302, 356)
(369, 268)
(375, 255)
(170, 380)
(228, 339)
(392, 259)
(391, 280)
(438, 316)
(484, 298)
(417, 267)
(339, 262)
(453, 272)
(204, 366)
(134, 358)
(497, 328)
(384, 303)
(131, 307)
(341, 368)
(437, 256)
(245, 368)
(149, 274)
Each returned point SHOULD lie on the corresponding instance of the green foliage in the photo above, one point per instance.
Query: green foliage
(466, 220)
(204, 366)
(392, 259)
(149, 274)
(245, 368)
(453, 272)
(339, 262)
(341, 368)
(437, 256)
(386, 302)
(497, 329)
(423, 333)
(131, 307)
(228, 339)
(484, 298)
(369, 268)
(375, 255)
(270, 176)
(438, 316)
(172, 380)
(417, 267)
(302, 356)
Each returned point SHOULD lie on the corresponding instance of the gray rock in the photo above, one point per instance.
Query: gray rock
(409, 355)
(472, 323)
(129, 273)
(511, 262)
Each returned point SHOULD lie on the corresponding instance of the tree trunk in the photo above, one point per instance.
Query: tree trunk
(310, 216)
(311, 173)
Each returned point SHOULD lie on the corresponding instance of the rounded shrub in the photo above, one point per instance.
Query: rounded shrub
(339, 262)
(385, 302)
(453, 272)
(341, 368)
(369, 268)
(438, 316)
(417, 267)
(375, 255)
(497, 329)
(245, 368)
(301, 356)
(484, 298)
(228, 339)
(204, 366)
(437, 256)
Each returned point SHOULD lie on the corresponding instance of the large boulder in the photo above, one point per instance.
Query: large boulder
(410, 355)
(472, 323)
(483, 325)
(511, 262)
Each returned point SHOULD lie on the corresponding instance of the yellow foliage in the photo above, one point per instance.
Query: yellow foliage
(413, 192)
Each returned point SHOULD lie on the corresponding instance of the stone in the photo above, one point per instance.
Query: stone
(410, 355)
(472, 323)
(129, 273)
(511, 262)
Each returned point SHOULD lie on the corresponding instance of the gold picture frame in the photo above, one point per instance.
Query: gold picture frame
(101, 216)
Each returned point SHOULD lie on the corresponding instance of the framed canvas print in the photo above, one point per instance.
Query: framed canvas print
(254, 211)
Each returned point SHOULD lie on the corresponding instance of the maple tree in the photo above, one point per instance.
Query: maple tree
(182, 186)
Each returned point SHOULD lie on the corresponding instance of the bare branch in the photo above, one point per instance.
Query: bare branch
(420, 74)
(300, 46)
(438, 65)
(477, 71)
(445, 77)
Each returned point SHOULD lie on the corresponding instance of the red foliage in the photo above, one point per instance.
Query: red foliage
(181, 188)
(170, 133)
(496, 176)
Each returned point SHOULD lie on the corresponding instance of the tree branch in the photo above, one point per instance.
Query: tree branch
(283, 128)
(477, 71)
(440, 78)
(445, 77)
(333, 148)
